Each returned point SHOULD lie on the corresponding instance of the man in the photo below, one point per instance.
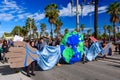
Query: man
(41, 44)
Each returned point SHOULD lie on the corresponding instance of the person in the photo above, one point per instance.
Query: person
(10, 43)
(50, 42)
(5, 50)
(32, 65)
(103, 45)
(86, 44)
(41, 44)
(0, 49)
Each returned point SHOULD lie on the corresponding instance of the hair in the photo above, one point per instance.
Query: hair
(5, 41)
(31, 43)
(41, 38)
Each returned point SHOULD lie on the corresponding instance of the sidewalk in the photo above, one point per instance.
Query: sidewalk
(6, 73)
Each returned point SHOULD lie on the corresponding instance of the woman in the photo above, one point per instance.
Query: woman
(32, 65)
(5, 50)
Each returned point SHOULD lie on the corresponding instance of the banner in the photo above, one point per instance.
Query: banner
(18, 38)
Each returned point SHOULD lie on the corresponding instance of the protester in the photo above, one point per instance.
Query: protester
(0, 50)
(86, 44)
(32, 65)
(41, 44)
(5, 50)
(10, 43)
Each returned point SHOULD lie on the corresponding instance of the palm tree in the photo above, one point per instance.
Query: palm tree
(30, 26)
(82, 27)
(89, 31)
(43, 28)
(34, 28)
(109, 28)
(17, 30)
(105, 28)
(114, 11)
(37, 35)
(58, 23)
(51, 12)
(66, 31)
(46, 34)
(24, 31)
(96, 18)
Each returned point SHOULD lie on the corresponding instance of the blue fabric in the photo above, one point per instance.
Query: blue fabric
(106, 50)
(28, 52)
(48, 57)
(94, 50)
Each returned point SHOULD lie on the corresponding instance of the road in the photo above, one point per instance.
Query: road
(106, 69)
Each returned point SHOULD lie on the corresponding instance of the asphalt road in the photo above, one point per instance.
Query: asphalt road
(97, 70)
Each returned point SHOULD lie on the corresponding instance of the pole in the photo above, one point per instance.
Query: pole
(77, 16)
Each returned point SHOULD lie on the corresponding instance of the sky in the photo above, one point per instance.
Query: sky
(15, 12)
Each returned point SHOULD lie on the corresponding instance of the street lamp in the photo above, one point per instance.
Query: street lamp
(77, 16)
(77, 13)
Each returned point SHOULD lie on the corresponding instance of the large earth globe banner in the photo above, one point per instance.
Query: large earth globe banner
(72, 46)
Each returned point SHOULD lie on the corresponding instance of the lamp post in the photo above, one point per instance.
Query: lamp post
(77, 16)
(77, 13)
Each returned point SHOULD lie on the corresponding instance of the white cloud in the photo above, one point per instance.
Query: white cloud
(102, 9)
(17, 12)
(87, 9)
(21, 16)
(38, 16)
(6, 17)
(11, 10)
(66, 11)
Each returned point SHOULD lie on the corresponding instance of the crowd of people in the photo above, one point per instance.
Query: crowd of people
(38, 45)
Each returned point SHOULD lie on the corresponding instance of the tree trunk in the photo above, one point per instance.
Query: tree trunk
(109, 36)
(51, 33)
(96, 19)
(114, 25)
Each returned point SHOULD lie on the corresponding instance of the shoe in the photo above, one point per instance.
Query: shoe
(32, 74)
(28, 75)
(58, 64)
(3, 62)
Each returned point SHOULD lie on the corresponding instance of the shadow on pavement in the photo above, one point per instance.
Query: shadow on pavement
(117, 66)
(6, 70)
